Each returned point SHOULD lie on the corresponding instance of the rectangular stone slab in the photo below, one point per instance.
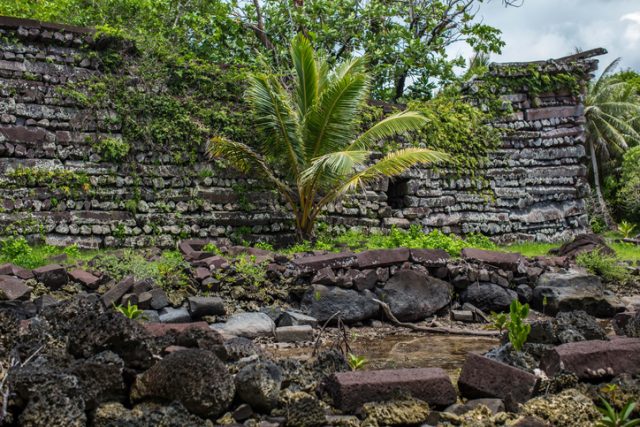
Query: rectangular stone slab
(504, 260)
(314, 263)
(382, 257)
(350, 390)
(594, 359)
(484, 377)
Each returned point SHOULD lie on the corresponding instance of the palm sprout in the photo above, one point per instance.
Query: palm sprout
(310, 148)
(612, 109)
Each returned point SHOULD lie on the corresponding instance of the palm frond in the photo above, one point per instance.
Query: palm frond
(393, 125)
(605, 74)
(307, 73)
(276, 118)
(334, 165)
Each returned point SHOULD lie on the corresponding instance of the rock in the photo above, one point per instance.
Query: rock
(242, 412)
(195, 378)
(116, 292)
(258, 384)
(85, 278)
(325, 276)
(293, 318)
(350, 390)
(248, 325)
(53, 276)
(303, 410)
(494, 405)
(101, 379)
(568, 326)
(574, 290)
(463, 315)
(294, 333)
(430, 257)
(44, 301)
(144, 300)
(504, 260)
(525, 293)
(488, 297)
(594, 359)
(238, 348)
(158, 298)
(206, 306)
(174, 315)
(160, 329)
(313, 263)
(12, 288)
(382, 257)
(145, 414)
(413, 296)
(567, 409)
(583, 243)
(483, 377)
(365, 279)
(324, 302)
(395, 413)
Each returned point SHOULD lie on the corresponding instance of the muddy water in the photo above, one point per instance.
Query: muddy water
(407, 350)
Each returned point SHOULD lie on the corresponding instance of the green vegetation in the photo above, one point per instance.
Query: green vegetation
(613, 418)
(499, 322)
(606, 267)
(59, 181)
(626, 229)
(249, 271)
(18, 251)
(628, 194)
(624, 251)
(310, 135)
(113, 149)
(356, 363)
(518, 330)
(130, 311)
(414, 237)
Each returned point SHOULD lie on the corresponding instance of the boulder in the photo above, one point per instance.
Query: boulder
(567, 327)
(258, 384)
(488, 297)
(85, 278)
(195, 378)
(12, 288)
(382, 257)
(505, 260)
(53, 276)
(483, 377)
(116, 292)
(350, 390)
(324, 302)
(174, 315)
(574, 290)
(413, 295)
(594, 359)
(569, 408)
(293, 318)
(365, 279)
(583, 243)
(158, 298)
(249, 325)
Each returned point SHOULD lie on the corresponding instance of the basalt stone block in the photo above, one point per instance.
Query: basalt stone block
(413, 295)
(382, 257)
(174, 315)
(594, 359)
(12, 288)
(350, 390)
(85, 278)
(504, 260)
(313, 263)
(158, 298)
(484, 377)
(113, 295)
(325, 276)
(488, 297)
(211, 263)
(323, 302)
(293, 318)
(430, 257)
(53, 276)
(294, 333)
(206, 306)
(159, 329)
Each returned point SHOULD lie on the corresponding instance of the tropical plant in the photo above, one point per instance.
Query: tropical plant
(613, 418)
(626, 229)
(356, 363)
(610, 108)
(499, 322)
(130, 311)
(310, 150)
(607, 267)
(518, 330)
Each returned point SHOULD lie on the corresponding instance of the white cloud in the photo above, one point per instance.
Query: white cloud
(632, 32)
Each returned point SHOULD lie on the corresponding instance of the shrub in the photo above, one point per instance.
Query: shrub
(626, 229)
(629, 194)
(113, 149)
(604, 266)
(249, 271)
(518, 330)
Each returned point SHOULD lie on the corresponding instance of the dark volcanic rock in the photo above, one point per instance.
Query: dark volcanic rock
(323, 302)
(583, 243)
(382, 257)
(258, 384)
(12, 288)
(145, 415)
(488, 297)
(413, 296)
(505, 260)
(195, 378)
(52, 276)
(567, 327)
(100, 378)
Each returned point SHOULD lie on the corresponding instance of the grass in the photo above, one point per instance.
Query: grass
(624, 251)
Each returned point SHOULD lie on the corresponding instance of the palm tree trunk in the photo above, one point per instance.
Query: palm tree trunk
(596, 183)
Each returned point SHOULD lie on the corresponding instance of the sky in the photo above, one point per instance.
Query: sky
(543, 29)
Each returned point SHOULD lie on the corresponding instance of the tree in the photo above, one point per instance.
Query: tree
(611, 110)
(310, 148)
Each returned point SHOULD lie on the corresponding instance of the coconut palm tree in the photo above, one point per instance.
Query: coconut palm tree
(611, 109)
(310, 148)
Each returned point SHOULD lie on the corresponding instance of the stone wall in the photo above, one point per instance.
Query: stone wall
(54, 182)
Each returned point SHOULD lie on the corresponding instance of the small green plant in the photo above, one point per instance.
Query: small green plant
(626, 229)
(613, 418)
(604, 266)
(113, 149)
(15, 247)
(250, 271)
(355, 362)
(498, 321)
(518, 329)
(317, 296)
(211, 247)
(264, 245)
(131, 310)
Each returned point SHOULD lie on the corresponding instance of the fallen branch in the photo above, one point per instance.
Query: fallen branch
(433, 330)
